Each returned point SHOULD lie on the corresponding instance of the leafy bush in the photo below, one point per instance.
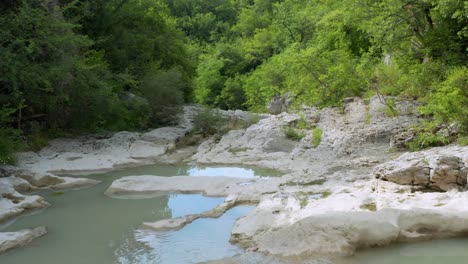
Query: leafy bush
(164, 92)
(10, 142)
(448, 104)
(293, 134)
(252, 119)
(463, 140)
(426, 140)
(390, 109)
(316, 136)
(208, 122)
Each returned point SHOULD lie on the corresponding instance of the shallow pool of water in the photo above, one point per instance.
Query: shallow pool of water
(197, 170)
(85, 226)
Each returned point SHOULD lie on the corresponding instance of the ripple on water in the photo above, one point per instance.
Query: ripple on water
(202, 240)
(85, 226)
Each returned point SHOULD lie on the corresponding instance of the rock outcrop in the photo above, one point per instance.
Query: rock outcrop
(98, 153)
(279, 104)
(439, 168)
(330, 200)
(344, 222)
(361, 130)
(13, 203)
(149, 186)
(10, 240)
(179, 222)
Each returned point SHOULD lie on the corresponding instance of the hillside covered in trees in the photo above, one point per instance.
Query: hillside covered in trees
(82, 66)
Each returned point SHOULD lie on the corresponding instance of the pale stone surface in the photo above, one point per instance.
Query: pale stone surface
(12, 203)
(74, 183)
(39, 179)
(179, 222)
(328, 202)
(147, 185)
(343, 222)
(437, 168)
(254, 258)
(164, 135)
(18, 184)
(105, 152)
(10, 240)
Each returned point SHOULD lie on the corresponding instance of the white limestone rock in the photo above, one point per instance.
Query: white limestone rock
(11, 240)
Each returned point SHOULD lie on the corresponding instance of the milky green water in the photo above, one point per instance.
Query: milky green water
(85, 226)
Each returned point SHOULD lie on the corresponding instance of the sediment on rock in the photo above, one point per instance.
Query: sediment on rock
(11, 240)
(179, 222)
(13, 203)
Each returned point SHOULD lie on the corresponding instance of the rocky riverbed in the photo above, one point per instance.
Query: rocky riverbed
(350, 191)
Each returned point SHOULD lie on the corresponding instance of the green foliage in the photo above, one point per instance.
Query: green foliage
(252, 119)
(316, 136)
(233, 95)
(71, 65)
(90, 66)
(323, 51)
(293, 133)
(390, 109)
(302, 123)
(10, 142)
(37, 139)
(164, 92)
(428, 134)
(425, 140)
(463, 140)
(209, 81)
(447, 104)
(208, 122)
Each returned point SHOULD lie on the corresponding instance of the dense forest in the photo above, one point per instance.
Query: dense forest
(83, 66)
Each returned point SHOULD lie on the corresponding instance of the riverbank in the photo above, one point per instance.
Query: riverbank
(349, 191)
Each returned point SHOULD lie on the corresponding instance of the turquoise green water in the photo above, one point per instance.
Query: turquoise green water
(85, 226)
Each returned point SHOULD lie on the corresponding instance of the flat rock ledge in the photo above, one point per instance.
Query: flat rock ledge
(147, 185)
(14, 203)
(179, 222)
(11, 240)
(106, 152)
(439, 169)
(345, 222)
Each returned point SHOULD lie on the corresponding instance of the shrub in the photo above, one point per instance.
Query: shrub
(427, 139)
(252, 119)
(448, 104)
(209, 122)
(164, 92)
(293, 134)
(316, 136)
(463, 141)
(390, 108)
(10, 142)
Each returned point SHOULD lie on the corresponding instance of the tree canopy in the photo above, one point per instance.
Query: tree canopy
(73, 66)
